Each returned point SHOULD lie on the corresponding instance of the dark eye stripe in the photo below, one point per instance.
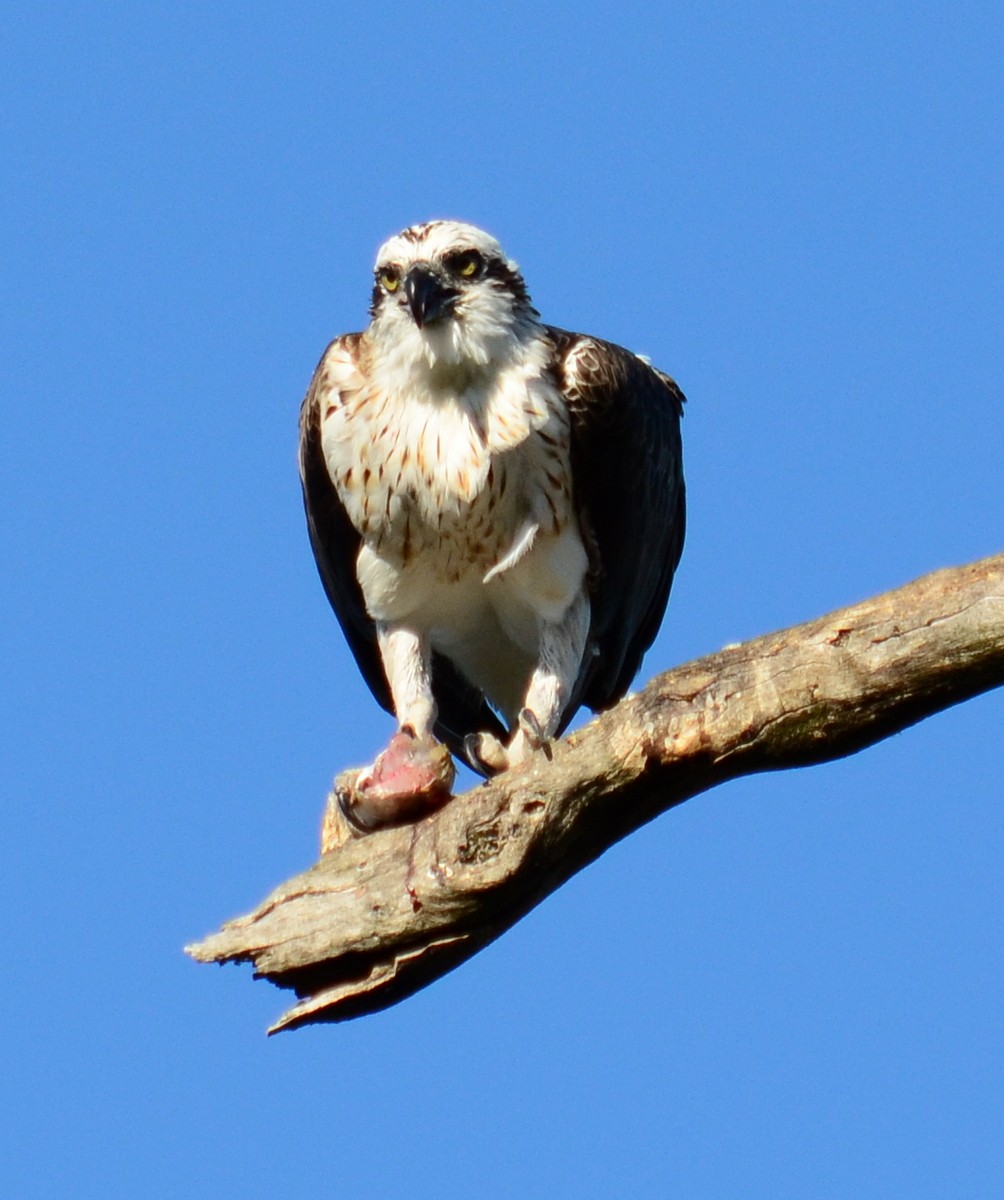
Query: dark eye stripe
(504, 277)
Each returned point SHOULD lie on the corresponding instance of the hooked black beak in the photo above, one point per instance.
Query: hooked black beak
(429, 298)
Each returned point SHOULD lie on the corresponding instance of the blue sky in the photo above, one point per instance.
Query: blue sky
(790, 987)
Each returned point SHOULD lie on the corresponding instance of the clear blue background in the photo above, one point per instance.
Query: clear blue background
(791, 987)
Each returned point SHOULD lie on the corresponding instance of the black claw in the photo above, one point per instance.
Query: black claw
(530, 726)
(351, 812)
(472, 752)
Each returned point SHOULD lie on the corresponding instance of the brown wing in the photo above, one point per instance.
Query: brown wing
(335, 542)
(627, 460)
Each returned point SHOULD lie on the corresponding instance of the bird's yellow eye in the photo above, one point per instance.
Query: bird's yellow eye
(465, 263)
(390, 279)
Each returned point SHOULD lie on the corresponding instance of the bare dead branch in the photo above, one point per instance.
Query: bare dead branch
(384, 914)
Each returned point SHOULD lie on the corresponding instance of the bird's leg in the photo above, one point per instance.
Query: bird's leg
(414, 775)
(561, 647)
(407, 663)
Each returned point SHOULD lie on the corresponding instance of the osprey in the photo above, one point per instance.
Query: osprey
(496, 507)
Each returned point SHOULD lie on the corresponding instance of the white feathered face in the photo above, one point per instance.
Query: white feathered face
(446, 292)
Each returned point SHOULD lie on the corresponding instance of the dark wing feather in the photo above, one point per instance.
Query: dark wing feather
(336, 542)
(627, 463)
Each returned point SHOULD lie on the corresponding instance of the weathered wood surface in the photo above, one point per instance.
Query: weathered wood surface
(385, 914)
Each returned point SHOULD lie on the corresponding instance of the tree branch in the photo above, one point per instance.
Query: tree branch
(384, 914)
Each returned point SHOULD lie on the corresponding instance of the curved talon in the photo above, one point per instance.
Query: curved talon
(488, 755)
(529, 739)
(485, 753)
(531, 729)
(349, 807)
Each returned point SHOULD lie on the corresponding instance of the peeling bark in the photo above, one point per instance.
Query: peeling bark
(384, 914)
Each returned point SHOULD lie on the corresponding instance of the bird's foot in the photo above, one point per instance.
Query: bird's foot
(410, 779)
(529, 739)
(488, 755)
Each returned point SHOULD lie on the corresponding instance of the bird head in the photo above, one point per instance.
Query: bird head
(445, 292)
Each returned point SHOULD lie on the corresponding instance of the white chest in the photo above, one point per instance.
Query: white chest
(449, 479)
